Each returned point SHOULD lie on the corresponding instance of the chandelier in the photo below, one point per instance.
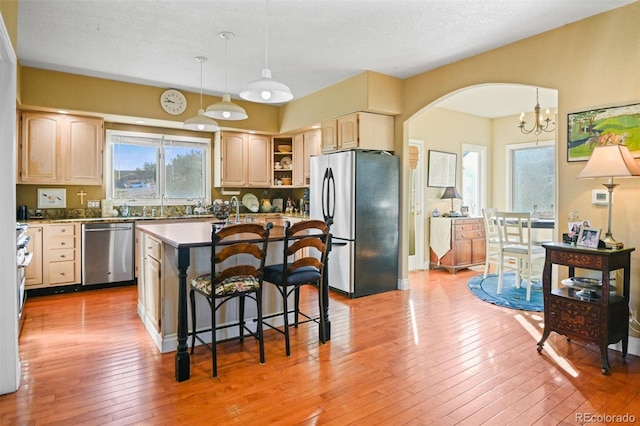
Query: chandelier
(541, 124)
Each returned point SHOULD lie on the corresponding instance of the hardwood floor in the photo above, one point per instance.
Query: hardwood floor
(431, 355)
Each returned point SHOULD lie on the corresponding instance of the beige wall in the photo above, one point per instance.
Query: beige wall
(446, 130)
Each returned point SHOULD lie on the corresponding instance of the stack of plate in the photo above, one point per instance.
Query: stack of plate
(250, 201)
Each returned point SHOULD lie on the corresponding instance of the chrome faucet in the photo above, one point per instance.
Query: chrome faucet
(236, 202)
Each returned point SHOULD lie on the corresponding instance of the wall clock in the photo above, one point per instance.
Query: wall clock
(173, 101)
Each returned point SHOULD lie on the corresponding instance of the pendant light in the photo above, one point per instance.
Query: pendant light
(267, 90)
(225, 109)
(201, 122)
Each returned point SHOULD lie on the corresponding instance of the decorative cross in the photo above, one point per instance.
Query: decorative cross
(81, 194)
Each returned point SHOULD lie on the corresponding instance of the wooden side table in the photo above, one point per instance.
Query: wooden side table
(603, 320)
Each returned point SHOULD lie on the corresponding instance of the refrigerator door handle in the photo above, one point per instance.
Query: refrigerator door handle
(325, 180)
(331, 195)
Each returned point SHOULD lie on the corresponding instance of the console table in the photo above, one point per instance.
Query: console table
(603, 320)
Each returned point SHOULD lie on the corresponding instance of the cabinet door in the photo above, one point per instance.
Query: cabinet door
(463, 251)
(298, 159)
(33, 272)
(375, 131)
(478, 248)
(152, 291)
(311, 148)
(40, 148)
(84, 153)
(259, 161)
(232, 159)
(348, 131)
(329, 135)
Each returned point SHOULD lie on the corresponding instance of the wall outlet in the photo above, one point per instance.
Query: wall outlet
(93, 204)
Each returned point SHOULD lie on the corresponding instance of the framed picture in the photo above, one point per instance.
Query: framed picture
(600, 197)
(588, 237)
(588, 129)
(442, 169)
(464, 210)
(52, 198)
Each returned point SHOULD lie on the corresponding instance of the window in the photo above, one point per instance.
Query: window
(474, 178)
(143, 167)
(532, 177)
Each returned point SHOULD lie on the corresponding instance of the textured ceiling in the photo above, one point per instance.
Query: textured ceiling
(312, 44)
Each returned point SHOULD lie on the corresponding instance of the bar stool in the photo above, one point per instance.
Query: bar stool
(234, 276)
(305, 255)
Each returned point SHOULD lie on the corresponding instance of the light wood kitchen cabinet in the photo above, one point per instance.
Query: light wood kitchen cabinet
(284, 160)
(56, 255)
(33, 273)
(60, 149)
(361, 130)
(152, 280)
(245, 160)
(465, 238)
(305, 145)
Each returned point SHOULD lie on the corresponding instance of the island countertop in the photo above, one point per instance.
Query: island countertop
(194, 234)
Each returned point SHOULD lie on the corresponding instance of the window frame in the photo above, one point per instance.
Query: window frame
(483, 179)
(165, 140)
(509, 160)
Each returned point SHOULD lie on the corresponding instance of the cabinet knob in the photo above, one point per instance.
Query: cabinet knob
(62, 243)
(62, 256)
(62, 273)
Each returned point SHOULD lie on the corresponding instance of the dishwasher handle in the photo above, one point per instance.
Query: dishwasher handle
(119, 228)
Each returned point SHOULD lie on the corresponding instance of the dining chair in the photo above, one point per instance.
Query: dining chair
(305, 253)
(515, 235)
(493, 251)
(237, 272)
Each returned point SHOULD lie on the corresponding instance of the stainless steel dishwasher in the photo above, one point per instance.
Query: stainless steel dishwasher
(107, 253)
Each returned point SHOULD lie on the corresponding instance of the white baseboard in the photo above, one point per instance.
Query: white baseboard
(403, 284)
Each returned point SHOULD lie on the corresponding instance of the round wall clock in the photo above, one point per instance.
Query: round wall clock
(173, 101)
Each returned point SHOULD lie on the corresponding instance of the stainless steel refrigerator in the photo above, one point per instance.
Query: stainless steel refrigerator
(359, 191)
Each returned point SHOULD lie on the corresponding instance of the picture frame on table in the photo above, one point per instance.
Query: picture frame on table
(588, 237)
(602, 126)
(52, 198)
(464, 210)
(442, 169)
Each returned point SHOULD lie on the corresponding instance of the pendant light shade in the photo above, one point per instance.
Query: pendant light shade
(201, 122)
(225, 109)
(267, 90)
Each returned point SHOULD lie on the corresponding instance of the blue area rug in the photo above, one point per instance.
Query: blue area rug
(511, 297)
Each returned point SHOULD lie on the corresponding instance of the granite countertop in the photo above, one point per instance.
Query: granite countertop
(191, 218)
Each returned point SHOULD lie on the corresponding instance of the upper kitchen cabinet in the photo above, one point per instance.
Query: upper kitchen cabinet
(244, 160)
(60, 149)
(305, 145)
(361, 130)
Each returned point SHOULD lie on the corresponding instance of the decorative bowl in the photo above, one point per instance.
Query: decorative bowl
(286, 181)
(284, 148)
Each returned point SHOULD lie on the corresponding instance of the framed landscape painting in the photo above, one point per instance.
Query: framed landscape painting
(588, 129)
(442, 169)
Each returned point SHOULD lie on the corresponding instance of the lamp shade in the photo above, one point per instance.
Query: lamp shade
(450, 192)
(610, 161)
(201, 123)
(267, 90)
(226, 110)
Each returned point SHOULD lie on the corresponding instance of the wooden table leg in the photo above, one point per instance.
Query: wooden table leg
(182, 363)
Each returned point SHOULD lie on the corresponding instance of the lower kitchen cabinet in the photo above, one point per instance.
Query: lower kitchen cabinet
(33, 273)
(151, 282)
(56, 259)
(457, 243)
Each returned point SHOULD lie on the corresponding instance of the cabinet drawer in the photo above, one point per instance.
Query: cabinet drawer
(62, 255)
(153, 248)
(61, 230)
(468, 234)
(62, 272)
(62, 242)
(572, 317)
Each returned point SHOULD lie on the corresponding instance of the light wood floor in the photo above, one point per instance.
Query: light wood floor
(431, 355)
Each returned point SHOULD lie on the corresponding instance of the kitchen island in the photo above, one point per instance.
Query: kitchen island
(173, 253)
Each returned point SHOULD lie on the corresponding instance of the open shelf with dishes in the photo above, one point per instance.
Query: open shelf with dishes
(282, 161)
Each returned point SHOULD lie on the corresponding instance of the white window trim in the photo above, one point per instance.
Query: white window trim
(484, 183)
(206, 142)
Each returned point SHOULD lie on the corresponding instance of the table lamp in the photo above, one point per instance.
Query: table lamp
(610, 161)
(450, 192)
